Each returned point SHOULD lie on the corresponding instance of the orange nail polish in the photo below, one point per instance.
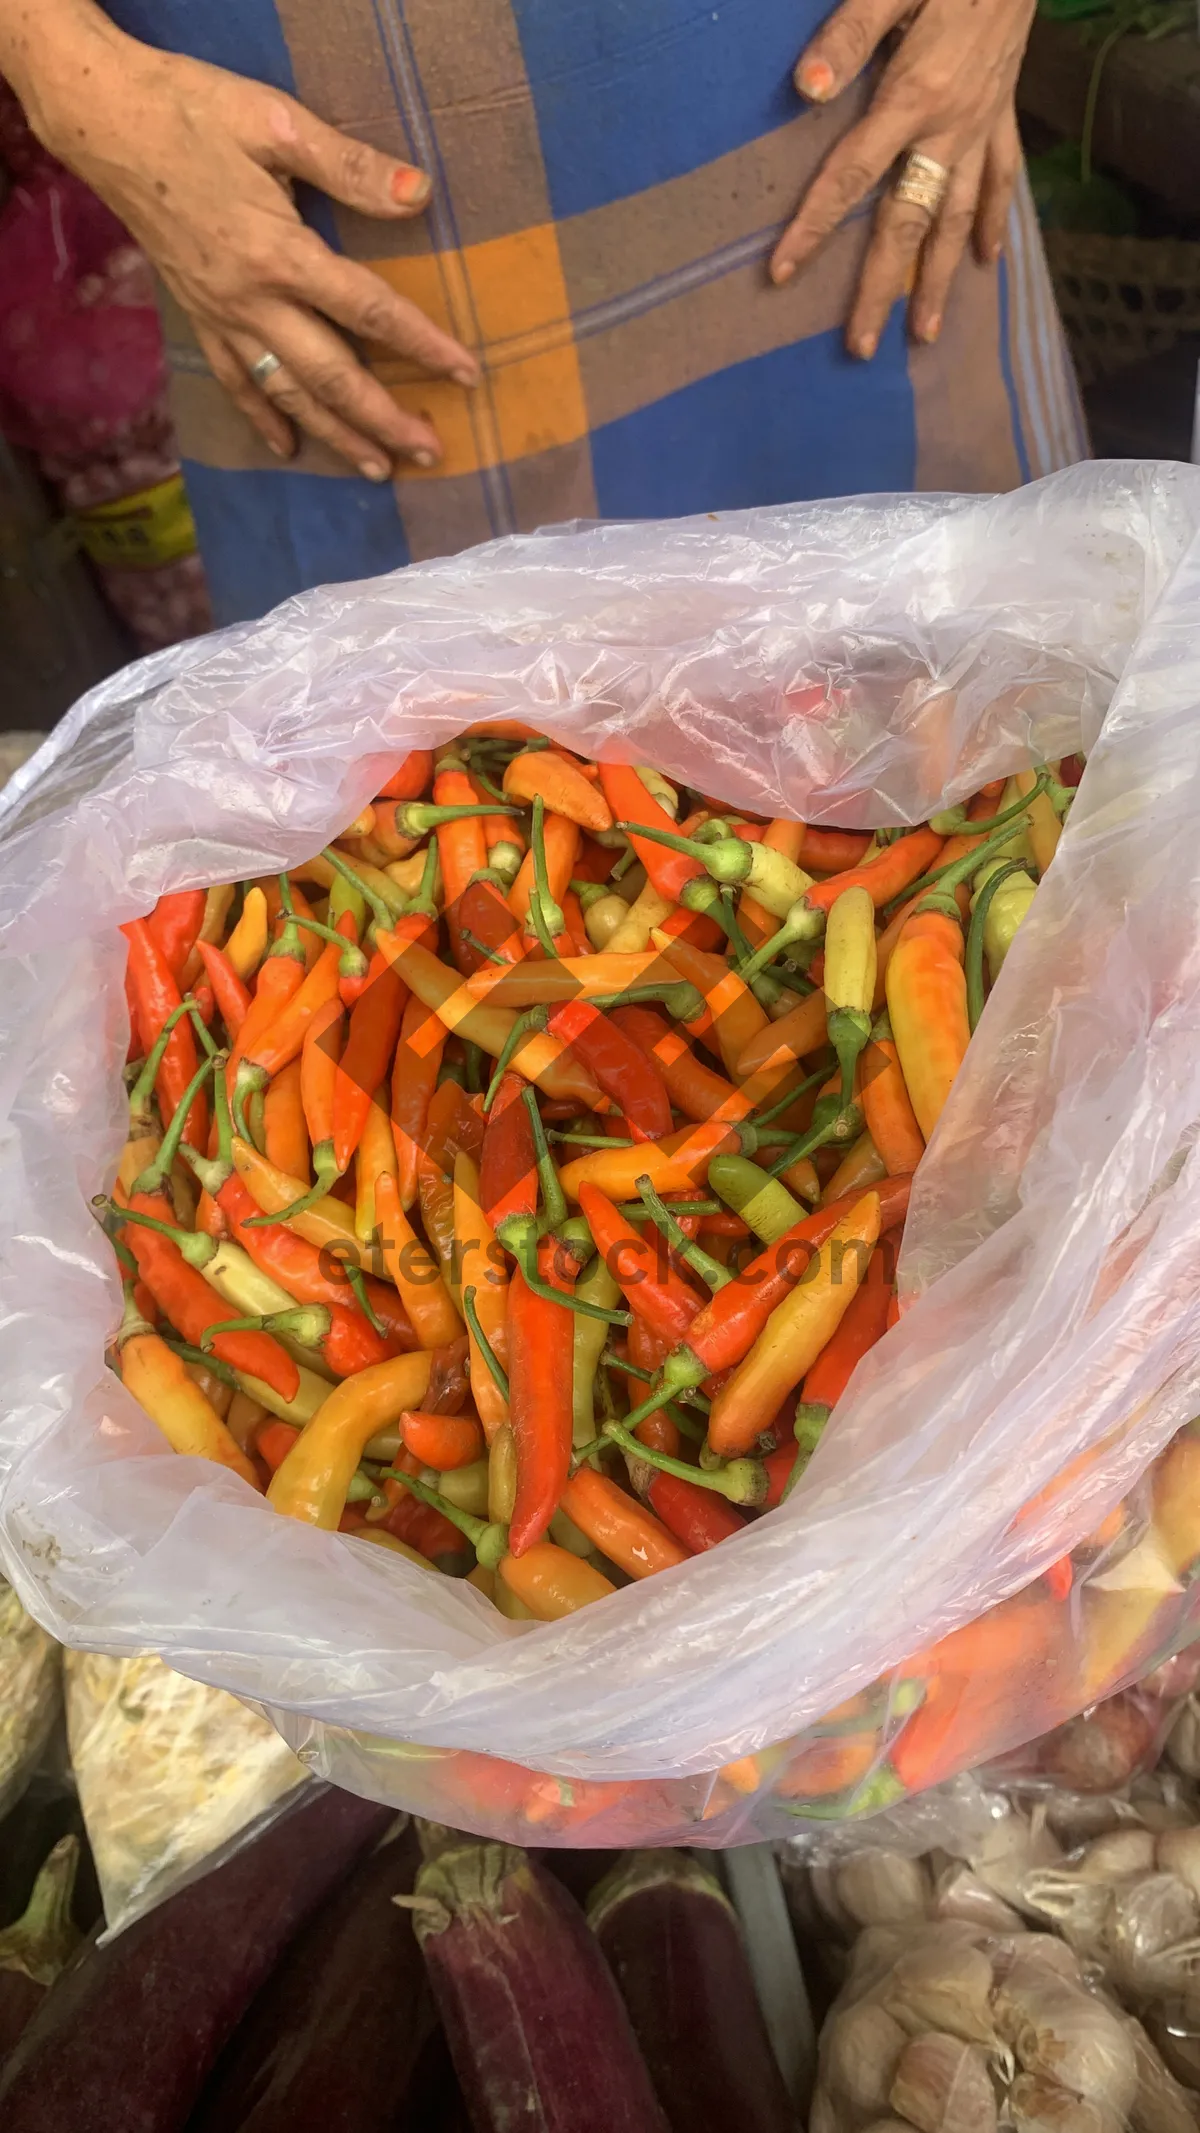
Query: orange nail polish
(422, 458)
(783, 272)
(814, 79)
(409, 186)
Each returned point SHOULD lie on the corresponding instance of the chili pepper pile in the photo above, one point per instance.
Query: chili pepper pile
(518, 1182)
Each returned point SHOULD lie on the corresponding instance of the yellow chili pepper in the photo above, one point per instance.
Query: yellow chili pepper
(212, 926)
(247, 944)
(327, 1222)
(849, 980)
(861, 1167)
(309, 1396)
(596, 1285)
(1044, 829)
(1005, 912)
(551, 1582)
(376, 1152)
(795, 1333)
(159, 1381)
(603, 911)
(311, 1483)
(632, 936)
(502, 1476)
(482, 1267)
(544, 981)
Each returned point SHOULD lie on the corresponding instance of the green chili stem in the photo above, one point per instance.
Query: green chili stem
(196, 1247)
(352, 963)
(534, 1018)
(554, 1199)
(415, 818)
(527, 1259)
(962, 825)
(358, 1283)
(472, 940)
(188, 1354)
(307, 1323)
(496, 1368)
(327, 1174)
(143, 1088)
(542, 908)
(489, 1541)
(743, 1481)
(590, 1140)
(151, 1178)
(381, 913)
(710, 1270)
(674, 843)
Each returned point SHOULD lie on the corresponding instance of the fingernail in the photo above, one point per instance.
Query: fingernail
(410, 186)
(932, 327)
(866, 345)
(814, 79)
(374, 469)
(782, 270)
(465, 376)
(422, 458)
(278, 449)
(994, 250)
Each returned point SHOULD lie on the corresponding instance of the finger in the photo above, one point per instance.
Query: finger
(361, 301)
(324, 365)
(843, 45)
(292, 139)
(272, 426)
(1001, 165)
(899, 231)
(944, 248)
(845, 178)
(291, 397)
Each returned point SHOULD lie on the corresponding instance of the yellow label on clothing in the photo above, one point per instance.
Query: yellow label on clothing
(140, 532)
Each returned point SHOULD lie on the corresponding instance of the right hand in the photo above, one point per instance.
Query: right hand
(197, 164)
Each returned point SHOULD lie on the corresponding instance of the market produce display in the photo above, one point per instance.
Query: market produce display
(517, 1183)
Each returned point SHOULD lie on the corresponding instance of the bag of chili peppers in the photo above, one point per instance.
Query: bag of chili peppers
(871, 715)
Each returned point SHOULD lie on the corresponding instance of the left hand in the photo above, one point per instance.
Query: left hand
(949, 91)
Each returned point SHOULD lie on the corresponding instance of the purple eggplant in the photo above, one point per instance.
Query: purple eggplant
(130, 2031)
(39, 1946)
(674, 1945)
(332, 2042)
(540, 2040)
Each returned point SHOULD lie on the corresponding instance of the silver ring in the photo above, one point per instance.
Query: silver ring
(922, 183)
(265, 368)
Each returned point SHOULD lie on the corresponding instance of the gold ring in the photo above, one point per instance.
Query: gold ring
(922, 182)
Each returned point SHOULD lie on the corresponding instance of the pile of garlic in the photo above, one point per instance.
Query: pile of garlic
(949, 2027)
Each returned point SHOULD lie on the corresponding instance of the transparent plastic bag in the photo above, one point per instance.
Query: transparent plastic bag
(855, 662)
(171, 1775)
(30, 1695)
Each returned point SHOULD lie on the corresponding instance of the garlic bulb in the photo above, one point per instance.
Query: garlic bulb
(1177, 1852)
(1183, 1740)
(960, 1894)
(1116, 1856)
(1039, 2106)
(860, 2051)
(944, 1984)
(880, 1888)
(942, 2086)
(1147, 1918)
(1015, 1846)
(1067, 2035)
(1160, 2105)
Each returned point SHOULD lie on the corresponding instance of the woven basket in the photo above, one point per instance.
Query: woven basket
(1123, 298)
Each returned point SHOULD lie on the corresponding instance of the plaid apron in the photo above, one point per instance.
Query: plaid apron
(609, 180)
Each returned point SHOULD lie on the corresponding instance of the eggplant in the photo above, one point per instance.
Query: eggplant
(672, 1940)
(539, 2038)
(46, 1811)
(332, 2042)
(40, 1945)
(130, 2031)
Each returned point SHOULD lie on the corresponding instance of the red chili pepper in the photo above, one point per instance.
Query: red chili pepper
(864, 1323)
(730, 1323)
(157, 996)
(541, 1343)
(624, 1071)
(231, 996)
(351, 1344)
(779, 1464)
(370, 1043)
(414, 1078)
(655, 1292)
(824, 851)
(484, 910)
(631, 802)
(700, 1518)
(420, 1526)
(883, 877)
(508, 1182)
(350, 990)
(174, 924)
(408, 782)
(192, 1306)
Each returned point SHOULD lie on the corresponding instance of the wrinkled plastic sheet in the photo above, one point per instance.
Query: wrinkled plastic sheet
(853, 663)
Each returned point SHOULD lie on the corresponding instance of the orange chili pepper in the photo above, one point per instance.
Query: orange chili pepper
(631, 801)
(409, 779)
(736, 1015)
(414, 1270)
(562, 848)
(462, 848)
(927, 1005)
(619, 1526)
(157, 1378)
(444, 1442)
(551, 1582)
(312, 1482)
(891, 1120)
(157, 997)
(174, 925)
(778, 1045)
(414, 1079)
(483, 1269)
(883, 877)
(232, 997)
(283, 1122)
(561, 785)
(376, 1158)
(674, 1164)
(864, 1323)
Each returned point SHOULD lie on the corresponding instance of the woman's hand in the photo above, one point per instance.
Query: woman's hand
(197, 163)
(948, 90)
